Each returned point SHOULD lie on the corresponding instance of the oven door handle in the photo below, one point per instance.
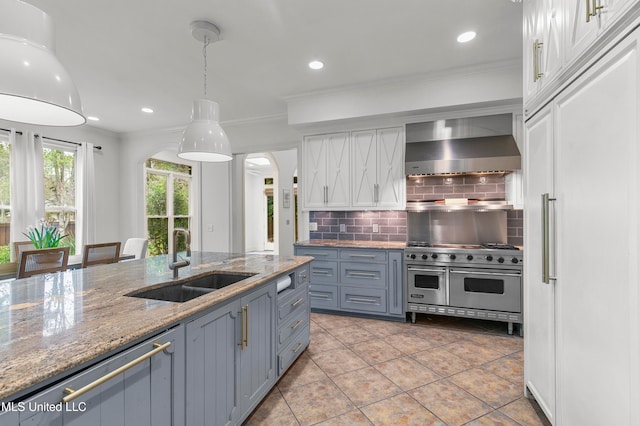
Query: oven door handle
(441, 271)
(500, 274)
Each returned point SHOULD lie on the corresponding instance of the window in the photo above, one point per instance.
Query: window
(60, 191)
(168, 204)
(5, 197)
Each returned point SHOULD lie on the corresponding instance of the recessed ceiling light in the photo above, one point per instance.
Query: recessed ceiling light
(465, 37)
(147, 110)
(92, 118)
(316, 65)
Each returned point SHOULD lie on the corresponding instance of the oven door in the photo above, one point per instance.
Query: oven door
(426, 284)
(491, 289)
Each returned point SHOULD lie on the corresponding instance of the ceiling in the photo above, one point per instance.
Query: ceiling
(125, 54)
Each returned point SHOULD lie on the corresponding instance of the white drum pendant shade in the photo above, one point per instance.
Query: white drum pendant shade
(204, 139)
(34, 86)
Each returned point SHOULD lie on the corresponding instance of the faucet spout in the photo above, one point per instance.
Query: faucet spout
(175, 265)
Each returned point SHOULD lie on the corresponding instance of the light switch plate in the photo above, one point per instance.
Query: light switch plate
(343, 227)
(313, 226)
(375, 228)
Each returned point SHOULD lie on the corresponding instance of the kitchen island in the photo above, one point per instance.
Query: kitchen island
(55, 325)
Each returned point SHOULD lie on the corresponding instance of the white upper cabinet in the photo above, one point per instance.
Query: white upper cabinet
(326, 171)
(377, 167)
(585, 20)
(357, 170)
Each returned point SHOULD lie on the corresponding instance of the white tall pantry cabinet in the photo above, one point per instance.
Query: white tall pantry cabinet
(582, 149)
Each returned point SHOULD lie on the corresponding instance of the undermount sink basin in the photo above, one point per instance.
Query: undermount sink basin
(187, 290)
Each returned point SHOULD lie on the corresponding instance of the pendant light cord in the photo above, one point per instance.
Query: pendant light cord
(204, 54)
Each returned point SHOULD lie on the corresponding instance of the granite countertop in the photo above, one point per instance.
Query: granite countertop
(353, 243)
(53, 323)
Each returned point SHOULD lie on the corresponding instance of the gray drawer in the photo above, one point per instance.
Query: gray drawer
(323, 296)
(323, 272)
(293, 302)
(363, 299)
(319, 253)
(293, 325)
(363, 274)
(363, 255)
(291, 352)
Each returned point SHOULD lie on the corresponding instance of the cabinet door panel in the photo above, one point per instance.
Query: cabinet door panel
(323, 296)
(396, 305)
(364, 163)
(597, 132)
(338, 166)
(579, 33)
(363, 299)
(363, 274)
(315, 170)
(391, 178)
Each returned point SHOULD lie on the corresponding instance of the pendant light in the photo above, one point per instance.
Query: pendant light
(204, 139)
(34, 86)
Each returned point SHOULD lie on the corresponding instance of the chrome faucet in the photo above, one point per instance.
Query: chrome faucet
(175, 265)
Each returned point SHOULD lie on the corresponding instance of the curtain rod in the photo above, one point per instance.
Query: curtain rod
(98, 147)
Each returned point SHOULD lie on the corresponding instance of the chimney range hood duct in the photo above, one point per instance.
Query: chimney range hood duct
(468, 145)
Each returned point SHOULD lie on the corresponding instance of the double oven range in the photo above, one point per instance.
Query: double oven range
(481, 281)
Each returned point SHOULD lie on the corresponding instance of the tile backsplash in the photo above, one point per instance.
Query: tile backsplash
(433, 188)
(359, 225)
(515, 227)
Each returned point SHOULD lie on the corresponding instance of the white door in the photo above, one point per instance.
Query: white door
(391, 178)
(598, 185)
(364, 163)
(539, 297)
(337, 177)
(314, 179)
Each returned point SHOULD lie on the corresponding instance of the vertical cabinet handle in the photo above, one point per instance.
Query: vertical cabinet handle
(537, 49)
(395, 282)
(244, 327)
(592, 9)
(326, 194)
(376, 193)
(546, 277)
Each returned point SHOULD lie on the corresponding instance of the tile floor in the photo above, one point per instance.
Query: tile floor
(440, 371)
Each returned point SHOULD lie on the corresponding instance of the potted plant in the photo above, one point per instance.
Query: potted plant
(45, 235)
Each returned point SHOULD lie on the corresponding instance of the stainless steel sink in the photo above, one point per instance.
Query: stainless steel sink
(190, 289)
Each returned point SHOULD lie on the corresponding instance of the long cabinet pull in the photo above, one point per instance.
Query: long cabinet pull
(326, 194)
(440, 271)
(298, 347)
(244, 327)
(296, 325)
(297, 302)
(592, 9)
(376, 193)
(395, 282)
(474, 272)
(73, 394)
(366, 256)
(362, 300)
(362, 274)
(320, 295)
(546, 277)
(537, 48)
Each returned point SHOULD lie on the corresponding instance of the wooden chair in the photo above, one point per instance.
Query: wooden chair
(136, 247)
(20, 246)
(95, 254)
(42, 261)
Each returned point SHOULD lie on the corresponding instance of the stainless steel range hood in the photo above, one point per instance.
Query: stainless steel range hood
(478, 144)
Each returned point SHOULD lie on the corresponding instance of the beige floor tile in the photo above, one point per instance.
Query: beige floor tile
(524, 412)
(338, 361)
(504, 344)
(487, 387)
(302, 372)
(366, 386)
(400, 410)
(375, 351)
(493, 419)
(354, 418)
(272, 411)
(317, 401)
(314, 327)
(508, 368)
(385, 328)
(442, 362)
(352, 334)
(322, 341)
(437, 336)
(472, 352)
(518, 355)
(407, 373)
(330, 322)
(449, 402)
(409, 343)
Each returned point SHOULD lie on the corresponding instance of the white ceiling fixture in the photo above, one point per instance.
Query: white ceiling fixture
(92, 118)
(466, 37)
(204, 139)
(316, 65)
(147, 110)
(35, 87)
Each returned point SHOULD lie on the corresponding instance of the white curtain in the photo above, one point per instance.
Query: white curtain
(85, 197)
(27, 183)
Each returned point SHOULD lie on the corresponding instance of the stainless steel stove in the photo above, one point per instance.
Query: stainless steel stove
(481, 281)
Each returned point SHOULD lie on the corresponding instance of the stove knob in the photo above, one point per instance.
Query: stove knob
(501, 260)
(424, 256)
(469, 257)
(489, 258)
(514, 260)
(452, 256)
(434, 256)
(413, 256)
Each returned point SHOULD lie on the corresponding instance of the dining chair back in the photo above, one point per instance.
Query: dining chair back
(136, 247)
(95, 254)
(20, 246)
(42, 261)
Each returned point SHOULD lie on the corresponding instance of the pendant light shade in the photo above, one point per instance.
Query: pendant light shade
(204, 139)
(35, 87)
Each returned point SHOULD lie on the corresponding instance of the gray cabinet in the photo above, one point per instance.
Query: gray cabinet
(293, 320)
(147, 392)
(358, 280)
(231, 359)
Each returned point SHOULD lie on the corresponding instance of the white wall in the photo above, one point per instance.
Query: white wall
(287, 164)
(254, 224)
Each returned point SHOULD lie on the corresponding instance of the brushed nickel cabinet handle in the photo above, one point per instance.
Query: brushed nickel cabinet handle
(297, 302)
(546, 277)
(73, 394)
(297, 347)
(537, 48)
(296, 325)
